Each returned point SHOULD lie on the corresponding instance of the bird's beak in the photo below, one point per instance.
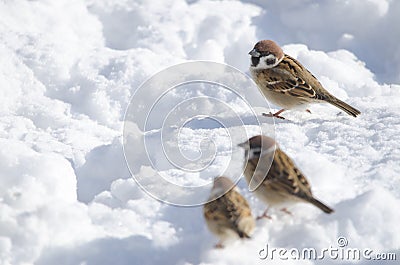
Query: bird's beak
(254, 53)
(244, 145)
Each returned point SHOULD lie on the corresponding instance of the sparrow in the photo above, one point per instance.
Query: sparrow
(227, 214)
(274, 176)
(286, 82)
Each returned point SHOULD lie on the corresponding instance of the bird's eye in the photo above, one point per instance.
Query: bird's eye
(270, 61)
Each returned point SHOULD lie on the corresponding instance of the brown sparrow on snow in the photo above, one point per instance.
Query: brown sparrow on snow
(287, 83)
(276, 178)
(227, 214)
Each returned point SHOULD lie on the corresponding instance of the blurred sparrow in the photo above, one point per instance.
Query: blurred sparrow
(227, 214)
(276, 179)
(287, 83)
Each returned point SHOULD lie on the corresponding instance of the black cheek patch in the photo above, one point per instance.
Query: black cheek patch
(257, 153)
(270, 61)
(255, 60)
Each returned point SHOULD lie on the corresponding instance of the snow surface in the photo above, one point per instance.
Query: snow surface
(69, 69)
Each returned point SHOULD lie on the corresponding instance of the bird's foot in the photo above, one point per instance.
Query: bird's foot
(219, 245)
(275, 115)
(264, 215)
(309, 111)
(286, 211)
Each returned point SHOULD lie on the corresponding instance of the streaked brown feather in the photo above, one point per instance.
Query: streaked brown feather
(287, 180)
(292, 78)
(287, 176)
(229, 209)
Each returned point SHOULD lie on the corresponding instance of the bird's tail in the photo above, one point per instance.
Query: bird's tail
(345, 107)
(243, 235)
(320, 205)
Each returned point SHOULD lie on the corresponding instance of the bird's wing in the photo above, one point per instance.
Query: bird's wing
(285, 177)
(228, 210)
(290, 77)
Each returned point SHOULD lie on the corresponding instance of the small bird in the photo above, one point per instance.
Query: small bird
(227, 214)
(286, 82)
(276, 178)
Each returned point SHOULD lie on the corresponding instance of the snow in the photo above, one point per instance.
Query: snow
(69, 70)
